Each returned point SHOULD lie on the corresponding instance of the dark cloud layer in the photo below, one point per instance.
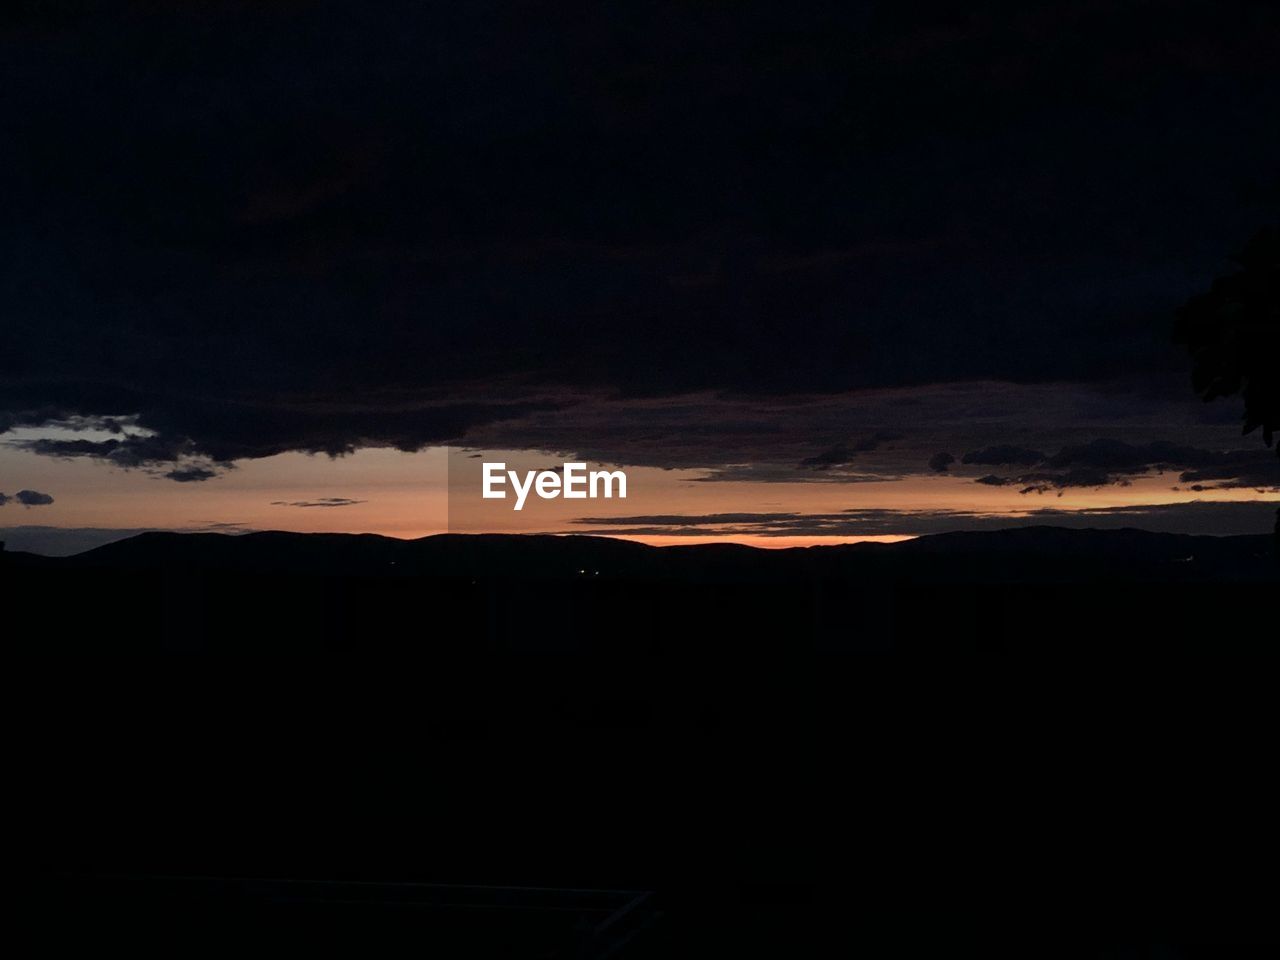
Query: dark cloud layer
(253, 228)
(1108, 462)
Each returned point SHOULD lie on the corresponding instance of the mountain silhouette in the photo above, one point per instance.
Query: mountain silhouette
(1112, 589)
(1035, 552)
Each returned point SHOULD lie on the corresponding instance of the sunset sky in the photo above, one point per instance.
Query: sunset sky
(805, 276)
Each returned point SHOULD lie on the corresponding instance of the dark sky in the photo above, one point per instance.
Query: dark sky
(257, 227)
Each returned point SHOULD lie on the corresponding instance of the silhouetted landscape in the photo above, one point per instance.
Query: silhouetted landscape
(204, 706)
(1033, 590)
(981, 298)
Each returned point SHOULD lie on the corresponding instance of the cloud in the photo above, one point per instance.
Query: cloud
(1044, 482)
(834, 457)
(203, 437)
(1119, 456)
(129, 451)
(242, 254)
(28, 498)
(132, 451)
(739, 437)
(841, 454)
(191, 474)
(321, 502)
(1111, 462)
(1251, 471)
(1003, 455)
(1261, 482)
(939, 462)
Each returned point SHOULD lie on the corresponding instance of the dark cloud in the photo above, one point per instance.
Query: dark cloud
(749, 437)
(1107, 462)
(321, 502)
(1257, 481)
(1044, 482)
(1003, 455)
(745, 438)
(28, 498)
(133, 451)
(246, 246)
(191, 474)
(835, 457)
(1118, 456)
(939, 462)
(841, 453)
(202, 435)
(1232, 468)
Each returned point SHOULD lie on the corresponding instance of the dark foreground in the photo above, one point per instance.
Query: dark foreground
(1036, 743)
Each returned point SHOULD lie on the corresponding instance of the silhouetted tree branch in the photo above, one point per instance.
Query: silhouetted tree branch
(1233, 335)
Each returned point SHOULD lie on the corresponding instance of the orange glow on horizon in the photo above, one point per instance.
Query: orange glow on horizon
(414, 495)
(767, 543)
